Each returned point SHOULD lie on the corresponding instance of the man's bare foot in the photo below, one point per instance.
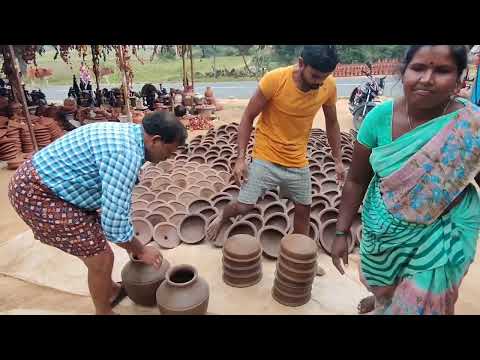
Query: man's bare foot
(366, 305)
(214, 228)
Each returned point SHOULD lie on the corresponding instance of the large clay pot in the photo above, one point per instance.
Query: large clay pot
(143, 230)
(192, 228)
(141, 281)
(166, 235)
(270, 237)
(183, 292)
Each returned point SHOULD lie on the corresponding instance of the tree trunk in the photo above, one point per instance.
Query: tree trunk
(248, 69)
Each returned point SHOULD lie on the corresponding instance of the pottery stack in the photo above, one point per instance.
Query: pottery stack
(296, 269)
(242, 261)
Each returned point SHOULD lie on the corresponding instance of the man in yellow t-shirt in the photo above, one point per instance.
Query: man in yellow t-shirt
(287, 100)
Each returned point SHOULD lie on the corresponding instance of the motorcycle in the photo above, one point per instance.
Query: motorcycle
(362, 99)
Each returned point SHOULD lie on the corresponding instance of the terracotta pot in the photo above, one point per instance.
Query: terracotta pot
(232, 190)
(160, 183)
(183, 292)
(199, 159)
(204, 184)
(330, 173)
(220, 166)
(200, 150)
(213, 178)
(194, 189)
(177, 217)
(166, 166)
(141, 281)
(218, 186)
(220, 239)
(298, 247)
(196, 176)
(254, 219)
(327, 236)
(186, 197)
(166, 235)
(209, 213)
(148, 196)
(270, 238)
(242, 247)
(239, 228)
(331, 195)
(220, 195)
(178, 206)
(328, 185)
(175, 189)
(255, 210)
(221, 202)
(300, 275)
(139, 190)
(279, 220)
(197, 205)
(210, 172)
(140, 205)
(180, 157)
(317, 207)
(235, 280)
(224, 175)
(315, 188)
(192, 228)
(327, 214)
(302, 290)
(164, 209)
(293, 280)
(275, 207)
(166, 196)
(288, 299)
(301, 265)
(154, 204)
(318, 175)
(155, 217)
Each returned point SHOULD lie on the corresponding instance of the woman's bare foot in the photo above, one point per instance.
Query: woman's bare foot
(214, 228)
(366, 305)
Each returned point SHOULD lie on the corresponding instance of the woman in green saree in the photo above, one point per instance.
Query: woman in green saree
(421, 213)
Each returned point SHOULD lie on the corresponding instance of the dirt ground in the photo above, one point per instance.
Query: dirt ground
(16, 295)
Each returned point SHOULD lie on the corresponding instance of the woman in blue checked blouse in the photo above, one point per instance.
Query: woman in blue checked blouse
(93, 168)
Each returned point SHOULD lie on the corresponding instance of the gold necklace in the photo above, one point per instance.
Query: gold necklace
(408, 115)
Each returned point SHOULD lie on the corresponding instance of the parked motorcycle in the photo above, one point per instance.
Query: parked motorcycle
(363, 97)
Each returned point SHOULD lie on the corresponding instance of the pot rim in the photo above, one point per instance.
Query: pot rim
(180, 267)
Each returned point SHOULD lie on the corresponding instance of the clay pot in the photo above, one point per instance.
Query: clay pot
(197, 205)
(139, 190)
(166, 235)
(160, 183)
(289, 299)
(301, 265)
(254, 219)
(177, 217)
(318, 175)
(327, 214)
(211, 173)
(141, 281)
(155, 217)
(183, 292)
(299, 275)
(328, 184)
(148, 196)
(279, 220)
(154, 204)
(239, 228)
(166, 166)
(218, 186)
(330, 173)
(200, 150)
(210, 213)
(186, 197)
(298, 247)
(194, 189)
(143, 230)
(275, 207)
(221, 202)
(331, 195)
(242, 247)
(288, 289)
(140, 205)
(270, 237)
(174, 189)
(225, 175)
(199, 159)
(140, 213)
(315, 187)
(327, 236)
(232, 190)
(220, 166)
(318, 206)
(316, 167)
(178, 206)
(164, 209)
(166, 196)
(192, 228)
(180, 157)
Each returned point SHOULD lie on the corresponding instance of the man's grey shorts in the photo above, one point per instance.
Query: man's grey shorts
(294, 183)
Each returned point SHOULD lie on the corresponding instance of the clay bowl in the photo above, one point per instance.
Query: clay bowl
(154, 204)
(166, 235)
(300, 265)
(148, 196)
(204, 169)
(192, 228)
(197, 205)
(186, 197)
(214, 198)
(177, 217)
(160, 183)
(200, 150)
(213, 178)
(315, 188)
(225, 175)
(220, 239)
(155, 217)
(270, 237)
(328, 185)
(275, 207)
(289, 299)
(140, 213)
(178, 206)
(330, 173)
(315, 167)
(174, 189)
(318, 175)
(141, 281)
(290, 289)
(220, 166)
(236, 263)
(327, 236)
(293, 280)
(280, 220)
(140, 205)
(241, 247)
(218, 186)
(300, 275)
(239, 228)
(194, 189)
(143, 230)
(164, 209)
(232, 190)
(139, 190)
(166, 166)
(331, 195)
(327, 214)
(298, 247)
(210, 213)
(220, 203)
(255, 219)
(318, 206)
(180, 157)
(199, 159)
(209, 159)
(241, 282)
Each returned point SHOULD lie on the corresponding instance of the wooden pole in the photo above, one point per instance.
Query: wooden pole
(183, 66)
(22, 97)
(191, 65)
(124, 82)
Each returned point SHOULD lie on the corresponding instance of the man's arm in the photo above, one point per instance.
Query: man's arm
(334, 138)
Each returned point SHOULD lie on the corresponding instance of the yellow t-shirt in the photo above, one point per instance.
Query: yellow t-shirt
(283, 129)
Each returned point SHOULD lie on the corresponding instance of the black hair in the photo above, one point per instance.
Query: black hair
(459, 53)
(166, 125)
(323, 58)
(180, 110)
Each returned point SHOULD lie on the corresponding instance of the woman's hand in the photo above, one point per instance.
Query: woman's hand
(340, 251)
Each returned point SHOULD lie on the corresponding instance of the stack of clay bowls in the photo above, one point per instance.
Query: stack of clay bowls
(53, 128)
(27, 144)
(42, 135)
(296, 269)
(9, 146)
(242, 261)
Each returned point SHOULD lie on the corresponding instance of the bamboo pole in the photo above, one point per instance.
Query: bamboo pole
(124, 82)
(22, 97)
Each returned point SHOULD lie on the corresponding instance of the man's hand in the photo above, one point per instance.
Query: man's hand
(240, 171)
(340, 251)
(341, 172)
(151, 255)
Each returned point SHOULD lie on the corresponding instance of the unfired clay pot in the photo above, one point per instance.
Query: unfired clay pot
(141, 281)
(328, 184)
(241, 228)
(166, 196)
(143, 230)
(318, 206)
(177, 217)
(327, 236)
(154, 204)
(209, 212)
(255, 219)
(298, 247)
(279, 220)
(178, 206)
(183, 292)
(186, 197)
(327, 214)
(165, 209)
(197, 205)
(270, 237)
(166, 235)
(192, 228)
(155, 217)
(275, 207)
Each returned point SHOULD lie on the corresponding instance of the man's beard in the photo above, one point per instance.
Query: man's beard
(307, 84)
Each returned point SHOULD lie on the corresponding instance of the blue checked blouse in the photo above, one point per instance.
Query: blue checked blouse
(96, 167)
